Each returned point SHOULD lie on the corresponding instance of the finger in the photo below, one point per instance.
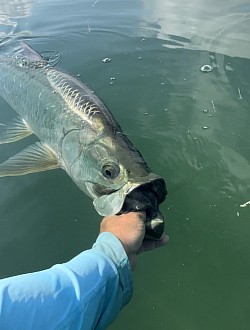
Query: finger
(148, 245)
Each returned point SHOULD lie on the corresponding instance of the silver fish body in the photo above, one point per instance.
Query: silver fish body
(77, 133)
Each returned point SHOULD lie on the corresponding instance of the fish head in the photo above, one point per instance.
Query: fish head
(115, 175)
(93, 165)
(142, 190)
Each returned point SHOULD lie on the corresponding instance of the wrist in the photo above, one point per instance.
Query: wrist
(130, 254)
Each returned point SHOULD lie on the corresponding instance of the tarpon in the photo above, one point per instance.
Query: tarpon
(78, 134)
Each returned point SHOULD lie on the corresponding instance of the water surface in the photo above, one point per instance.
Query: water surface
(192, 128)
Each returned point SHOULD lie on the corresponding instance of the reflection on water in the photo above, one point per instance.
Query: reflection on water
(200, 25)
(15, 9)
(223, 28)
(10, 13)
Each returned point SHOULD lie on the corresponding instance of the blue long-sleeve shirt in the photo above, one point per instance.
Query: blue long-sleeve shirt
(85, 293)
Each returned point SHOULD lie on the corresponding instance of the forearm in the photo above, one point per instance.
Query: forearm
(87, 291)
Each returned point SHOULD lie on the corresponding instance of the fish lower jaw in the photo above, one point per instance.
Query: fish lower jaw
(154, 228)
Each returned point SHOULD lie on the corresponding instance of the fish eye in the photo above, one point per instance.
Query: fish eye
(110, 171)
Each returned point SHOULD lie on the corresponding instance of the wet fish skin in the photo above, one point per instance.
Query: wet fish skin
(77, 133)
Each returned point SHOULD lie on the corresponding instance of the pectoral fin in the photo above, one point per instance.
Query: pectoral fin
(35, 158)
(14, 131)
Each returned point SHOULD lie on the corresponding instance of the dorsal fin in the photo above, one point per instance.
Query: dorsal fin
(28, 52)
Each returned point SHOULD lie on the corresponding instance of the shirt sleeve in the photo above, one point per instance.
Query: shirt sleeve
(85, 293)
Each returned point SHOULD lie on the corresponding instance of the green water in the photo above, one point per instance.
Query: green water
(192, 128)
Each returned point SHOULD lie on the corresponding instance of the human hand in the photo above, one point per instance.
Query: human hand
(129, 228)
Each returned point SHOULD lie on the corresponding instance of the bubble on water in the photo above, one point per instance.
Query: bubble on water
(205, 127)
(245, 204)
(239, 93)
(228, 67)
(106, 60)
(145, 113)
(206, 68)
(52, 57)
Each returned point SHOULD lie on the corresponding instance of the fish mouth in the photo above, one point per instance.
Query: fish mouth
(143, 195)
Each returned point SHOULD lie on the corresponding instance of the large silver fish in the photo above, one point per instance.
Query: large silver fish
(77, 133)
